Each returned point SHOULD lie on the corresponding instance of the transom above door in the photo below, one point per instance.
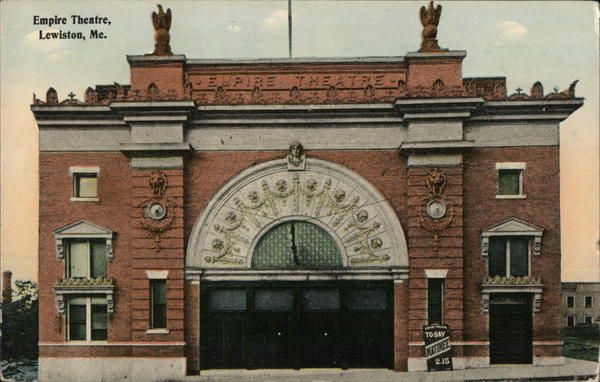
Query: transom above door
(296, 325)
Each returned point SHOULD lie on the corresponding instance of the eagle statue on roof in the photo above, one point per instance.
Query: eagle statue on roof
(430, 18)
(162, 24)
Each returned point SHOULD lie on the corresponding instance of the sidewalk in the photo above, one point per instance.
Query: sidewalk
(573, 369)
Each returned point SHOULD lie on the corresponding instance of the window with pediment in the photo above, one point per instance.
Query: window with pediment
(508, 247)
(85, 249)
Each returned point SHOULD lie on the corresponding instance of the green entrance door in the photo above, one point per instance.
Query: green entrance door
(296, 325)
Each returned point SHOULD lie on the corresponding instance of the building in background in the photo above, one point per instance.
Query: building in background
(580, 303)
(293, 213)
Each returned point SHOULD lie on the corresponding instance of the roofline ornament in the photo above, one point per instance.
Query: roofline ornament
(430, 18)
(162, 38)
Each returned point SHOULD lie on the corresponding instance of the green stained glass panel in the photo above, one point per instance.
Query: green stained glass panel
(296, 244)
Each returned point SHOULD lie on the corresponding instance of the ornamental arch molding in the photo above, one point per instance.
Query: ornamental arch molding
(360, 220)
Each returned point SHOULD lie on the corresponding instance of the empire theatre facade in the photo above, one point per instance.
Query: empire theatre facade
(294, 213)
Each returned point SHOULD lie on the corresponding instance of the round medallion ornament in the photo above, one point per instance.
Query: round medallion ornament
(436, 209)
(156, 211)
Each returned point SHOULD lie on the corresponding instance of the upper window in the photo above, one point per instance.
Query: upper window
(85, 183)
(509, 256)
(88, 247)
(522, 235)
(87, 319)
(589, 302)
(570, 301)
(509, 178)
(86, 259)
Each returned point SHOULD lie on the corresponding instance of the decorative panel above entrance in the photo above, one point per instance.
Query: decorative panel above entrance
(327, 197)
(296, 244)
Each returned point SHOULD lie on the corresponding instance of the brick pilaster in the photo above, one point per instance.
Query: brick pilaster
(424, 254)
(169, 256)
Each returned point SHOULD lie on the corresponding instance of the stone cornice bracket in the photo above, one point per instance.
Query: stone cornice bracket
(157, 133)
(435, 130)
(449, 146)
(437, 109)
(535, 110)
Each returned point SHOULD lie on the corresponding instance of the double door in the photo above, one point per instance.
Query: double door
(296, 325)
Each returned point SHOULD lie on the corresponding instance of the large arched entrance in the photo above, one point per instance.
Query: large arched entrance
(296, 270)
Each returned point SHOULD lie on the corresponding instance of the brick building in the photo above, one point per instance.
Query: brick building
(291, 213)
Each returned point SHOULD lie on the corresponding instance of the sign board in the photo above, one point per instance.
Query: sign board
(437, 347)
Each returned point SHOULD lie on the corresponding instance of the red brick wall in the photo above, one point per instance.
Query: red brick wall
(121, 190)
(425, 72)
(206, 172)
(57, 211)
(541, 208)
(166, 76)
(400, 325)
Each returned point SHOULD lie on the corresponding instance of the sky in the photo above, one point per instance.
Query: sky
(555, 42)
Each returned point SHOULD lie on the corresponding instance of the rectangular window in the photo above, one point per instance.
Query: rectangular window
(86, 259)
(509, 177)
(570, 301)
(274, 300)
(570, 320)
(85, 186)
(321, 299)
(87, 319)
(227, 300)
(589, 302)
(435, 290)
(85, 183)
(509, 182)
(588, 320)
(509, 256)
(158, 301)
(367, 299)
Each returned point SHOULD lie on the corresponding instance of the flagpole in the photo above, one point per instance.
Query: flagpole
(290, 27)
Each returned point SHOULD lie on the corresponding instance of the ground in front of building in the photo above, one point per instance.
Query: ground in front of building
(573, 369)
